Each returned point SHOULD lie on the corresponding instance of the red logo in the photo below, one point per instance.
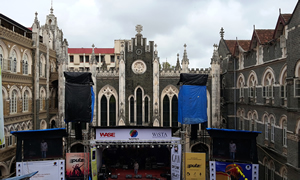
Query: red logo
(107, 134)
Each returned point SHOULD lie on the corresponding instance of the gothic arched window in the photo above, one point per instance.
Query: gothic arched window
(147, 110)
(174, 111)
(25, 64)
(112, 111)
(103, 111)
(131, 110)
(13, 102)
(166, 111)
(139, 105)
(14, 62)
(25, 101)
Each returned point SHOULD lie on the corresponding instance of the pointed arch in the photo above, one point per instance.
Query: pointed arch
(104, 96)
(5, 94)
(4, 49)
(42, 66)
(15, 53)
(43, 124)
(268, 77)
(167, 105)
(297, 69)
(252, 79)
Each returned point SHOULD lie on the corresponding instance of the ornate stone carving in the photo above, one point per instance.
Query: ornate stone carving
(139, 67)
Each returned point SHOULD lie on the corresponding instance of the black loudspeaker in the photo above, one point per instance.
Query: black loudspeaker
(149, 176)
(128, 176)
(194, 129)
(138, 176)
(78, 131)
(114, 176)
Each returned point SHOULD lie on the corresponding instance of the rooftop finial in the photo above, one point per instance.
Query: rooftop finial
(139, 28)
(279, 10)
(184, 46)
(93, 46)
(222, 32)
(215, 46)
(51, 9)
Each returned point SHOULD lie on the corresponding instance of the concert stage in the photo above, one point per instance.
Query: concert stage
(144, 172)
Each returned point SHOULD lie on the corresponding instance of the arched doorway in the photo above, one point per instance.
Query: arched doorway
(201, 148)
(77, 148)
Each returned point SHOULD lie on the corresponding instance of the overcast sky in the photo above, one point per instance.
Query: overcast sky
(169, 23)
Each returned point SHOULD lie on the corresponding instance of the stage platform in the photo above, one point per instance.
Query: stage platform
(144, 172)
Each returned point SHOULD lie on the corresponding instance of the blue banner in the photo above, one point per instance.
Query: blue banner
(192, 104)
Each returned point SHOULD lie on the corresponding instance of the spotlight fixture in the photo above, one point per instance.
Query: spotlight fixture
(171, 146)
(107, 146)
(138, 146)
(159, 145)
(152, 146)
(98, 147)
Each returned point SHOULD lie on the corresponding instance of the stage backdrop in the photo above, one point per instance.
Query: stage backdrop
(75, 165)
(195, 165)
(133, 134)
(47, 170)
(176, 162)
(233, 171)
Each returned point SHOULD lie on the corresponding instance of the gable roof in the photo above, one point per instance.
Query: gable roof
(90, 50)
(281, 22)
(230, 45)
(244, 44)
(262, 36)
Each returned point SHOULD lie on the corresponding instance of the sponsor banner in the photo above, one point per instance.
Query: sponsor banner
(233, 171)
(2, 135)
(47, 170)
(133, 134)
(94, 163)
(195, 165)
(176, 162)
(75, 165)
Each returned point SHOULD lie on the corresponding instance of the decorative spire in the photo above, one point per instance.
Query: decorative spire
(185, 58)
(177, 67)
(215, 58)
(139, 28)
(51, 9)
(93, 58)
(222, 32)
(155, 50)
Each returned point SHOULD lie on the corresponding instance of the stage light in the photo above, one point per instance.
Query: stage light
(107, 146)
(159, 145)
(152, 146)
(122, 146)
(171, 146)
(138, 146)
(98, 147)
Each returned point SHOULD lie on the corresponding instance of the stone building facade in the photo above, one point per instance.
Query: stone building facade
(30, 60)
(260, 92)
(134, 89)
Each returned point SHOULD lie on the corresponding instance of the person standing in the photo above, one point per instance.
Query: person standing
(44, 148)
(232, 149)
(136, 167)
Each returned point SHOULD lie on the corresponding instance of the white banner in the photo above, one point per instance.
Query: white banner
(47, 170)
(2, 135)
(176, 162)
(133, 134)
